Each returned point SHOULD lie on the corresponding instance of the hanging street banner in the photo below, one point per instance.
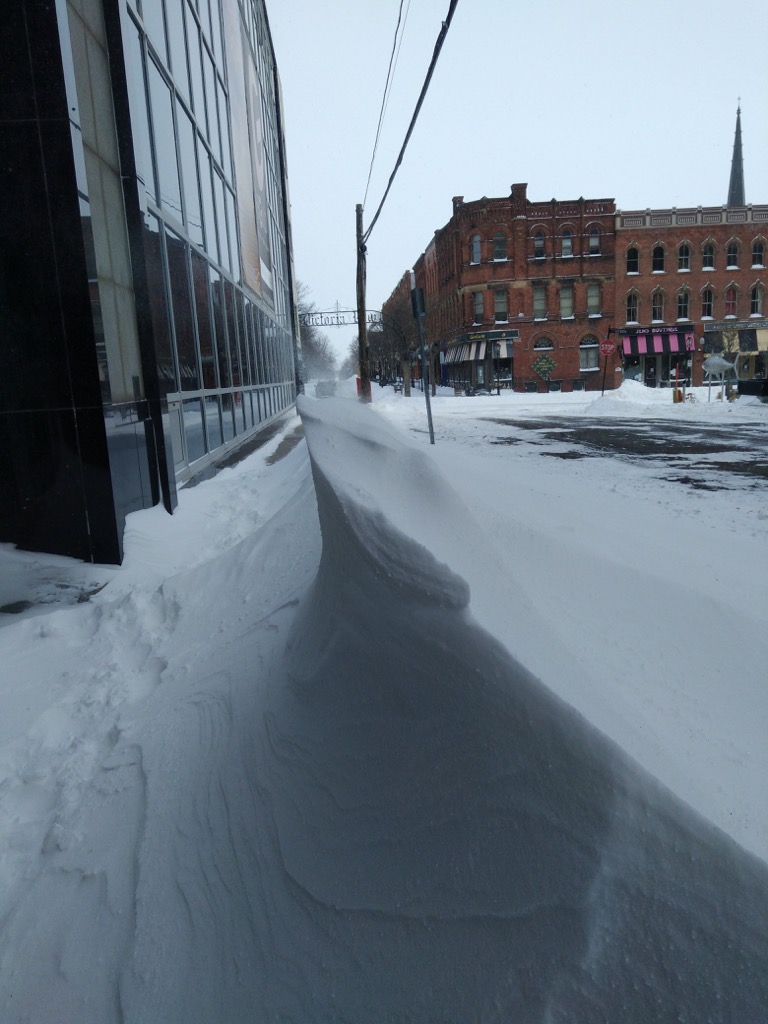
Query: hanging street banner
(339, 318)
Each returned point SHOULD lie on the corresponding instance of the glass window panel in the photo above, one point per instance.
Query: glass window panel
(152, 13)
(242, 331)
(216, 33)
(183, 318)
(258, 366)
(228, 416)
(566, 300)
(158, 302)
(219, 320)
(234, 249)
(137, 98)
(206, 191)
(196, 71)
(193, 217)
(226, 151)
(221, 219)
(204, 320)
(166, 164)
(234, 346)
(539, 302)
(193, 428)
(213, 422)
(210, 104)
(174, 10)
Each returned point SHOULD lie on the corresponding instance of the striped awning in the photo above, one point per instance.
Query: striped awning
(477, 351)
(651, 344)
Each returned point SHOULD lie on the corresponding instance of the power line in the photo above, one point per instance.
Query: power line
(393, 57)
(438, 46)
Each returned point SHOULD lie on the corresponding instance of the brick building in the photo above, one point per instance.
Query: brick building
(521, 294)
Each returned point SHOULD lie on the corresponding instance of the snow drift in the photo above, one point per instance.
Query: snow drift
(337, 798)
(463, 844)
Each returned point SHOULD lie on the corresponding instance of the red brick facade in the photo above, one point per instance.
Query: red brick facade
(550, 281)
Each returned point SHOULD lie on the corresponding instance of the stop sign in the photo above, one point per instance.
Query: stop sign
(607, 348)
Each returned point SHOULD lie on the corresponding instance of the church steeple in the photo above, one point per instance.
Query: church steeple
(736, 184)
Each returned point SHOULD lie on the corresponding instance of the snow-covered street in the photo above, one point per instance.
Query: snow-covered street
(398, 733)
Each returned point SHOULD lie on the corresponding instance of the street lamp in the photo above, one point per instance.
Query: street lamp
(496, 352)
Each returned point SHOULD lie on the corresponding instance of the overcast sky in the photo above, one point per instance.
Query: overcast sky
(634, 101)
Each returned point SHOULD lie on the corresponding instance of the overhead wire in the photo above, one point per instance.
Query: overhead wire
(393, 58)
(436, 53)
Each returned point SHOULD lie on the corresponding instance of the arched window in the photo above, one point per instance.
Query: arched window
(731, 300)
(499, 246)
(474, 249)
(756, 300)
(538, 245)
(758, 253)
(567, 243)
(657, 306)
(632, 308)
(708, 256)
(683, 304)
(477, 307)
(633, 261)
(684, 257)
(593, 299)
(707, 304)
(589, 353)
(732, 257)
(543, 344)
(658, 259)
(594, 241)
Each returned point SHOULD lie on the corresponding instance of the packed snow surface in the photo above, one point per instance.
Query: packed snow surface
(376, 731)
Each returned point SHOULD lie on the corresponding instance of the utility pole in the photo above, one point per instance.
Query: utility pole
(417, 301)
(362, 325)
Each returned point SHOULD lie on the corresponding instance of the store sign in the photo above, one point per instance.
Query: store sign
(543, 365)
(511, 335)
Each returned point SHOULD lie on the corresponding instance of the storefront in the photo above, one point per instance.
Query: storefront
(482, 359)
(744, 341)
(658, 356)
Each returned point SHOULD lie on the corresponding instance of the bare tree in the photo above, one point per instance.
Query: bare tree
(349, 365)
(317, 352)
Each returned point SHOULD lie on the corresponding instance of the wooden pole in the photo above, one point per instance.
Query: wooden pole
(362, 326)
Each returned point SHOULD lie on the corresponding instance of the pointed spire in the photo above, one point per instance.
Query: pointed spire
(736, 184)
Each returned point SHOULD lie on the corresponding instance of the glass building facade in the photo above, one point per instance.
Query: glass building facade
(147, 303)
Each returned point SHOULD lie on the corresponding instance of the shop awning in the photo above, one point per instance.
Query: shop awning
(477, 351)
(652, 344)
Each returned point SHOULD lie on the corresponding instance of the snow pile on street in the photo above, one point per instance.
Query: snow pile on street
(429, 768)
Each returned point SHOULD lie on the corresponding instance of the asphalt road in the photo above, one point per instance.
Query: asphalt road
(705, 456)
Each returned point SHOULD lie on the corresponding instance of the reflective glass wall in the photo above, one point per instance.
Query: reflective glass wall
(208, 167)
(145, 271)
